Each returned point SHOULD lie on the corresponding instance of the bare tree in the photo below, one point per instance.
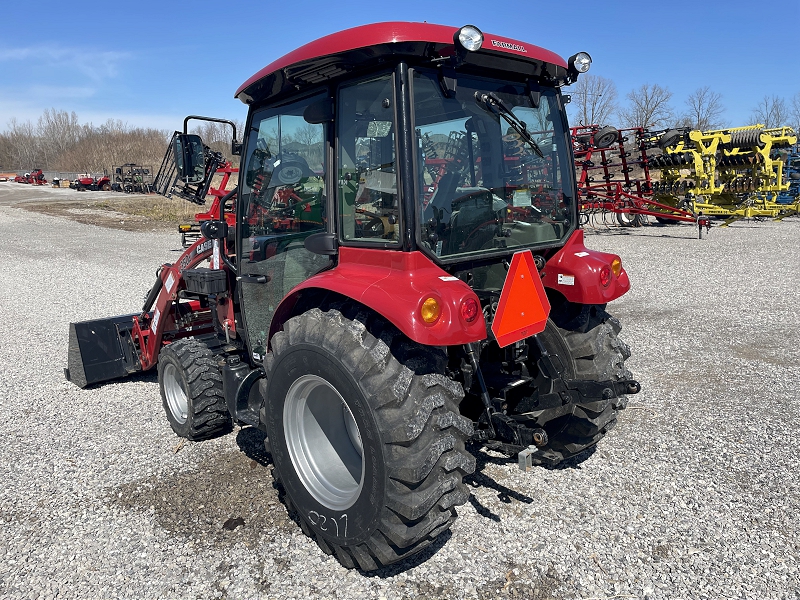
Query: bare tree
(594, 99)
(218, 136)
(795, 113)
(113, 144)
(5, 153)
(704, 110)
(58, 131)
(648, 107)
(771, 111)
(60, 142)
(24, 143)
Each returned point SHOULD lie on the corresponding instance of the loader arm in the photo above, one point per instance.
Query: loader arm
(105, 349)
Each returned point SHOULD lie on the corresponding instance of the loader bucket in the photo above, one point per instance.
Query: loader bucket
(101, 350)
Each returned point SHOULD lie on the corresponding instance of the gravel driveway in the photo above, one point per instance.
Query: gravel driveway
(694, 495)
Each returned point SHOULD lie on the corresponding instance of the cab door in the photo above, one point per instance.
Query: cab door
(282, 200)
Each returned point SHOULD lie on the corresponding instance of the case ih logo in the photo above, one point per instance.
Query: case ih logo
(509, 46)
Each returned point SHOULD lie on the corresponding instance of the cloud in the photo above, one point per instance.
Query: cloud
(54, 94)
(28, 103)
(96, 65)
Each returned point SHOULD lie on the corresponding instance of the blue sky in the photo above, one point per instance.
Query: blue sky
(151, 63)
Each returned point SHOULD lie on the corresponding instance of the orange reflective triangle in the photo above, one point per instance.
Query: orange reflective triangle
(523, 307)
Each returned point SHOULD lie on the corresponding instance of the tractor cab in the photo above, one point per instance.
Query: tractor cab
(401, 137)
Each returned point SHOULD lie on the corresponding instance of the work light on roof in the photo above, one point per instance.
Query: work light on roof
(470, 38)
(580, 62)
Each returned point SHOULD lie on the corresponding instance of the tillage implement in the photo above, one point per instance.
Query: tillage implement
(686, 175)
(732, 173)
(397, 280)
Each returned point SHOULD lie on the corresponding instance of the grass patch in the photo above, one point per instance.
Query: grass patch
(169, 211)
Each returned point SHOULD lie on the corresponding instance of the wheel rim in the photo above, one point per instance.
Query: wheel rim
(324, 442)
(176, 397)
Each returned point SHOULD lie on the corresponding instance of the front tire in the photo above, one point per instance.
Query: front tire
(191, 390)
(370, 453)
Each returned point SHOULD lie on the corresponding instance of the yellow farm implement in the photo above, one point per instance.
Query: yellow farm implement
(732, 173)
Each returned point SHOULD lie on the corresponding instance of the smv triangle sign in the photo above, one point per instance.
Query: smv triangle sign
(523, 307)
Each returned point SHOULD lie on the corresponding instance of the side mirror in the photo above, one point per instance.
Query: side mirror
(190, 158)
(323, 243)
(214, 230)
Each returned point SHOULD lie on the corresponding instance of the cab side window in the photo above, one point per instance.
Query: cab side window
(368, 202)
(284, 178)
(282, 202)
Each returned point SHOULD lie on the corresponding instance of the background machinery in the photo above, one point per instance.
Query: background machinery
(35, 177)
(89, 182)
(791, 175)
(684, 175)
(133, 179)
(728, 173)
(613, 172)
(399, 273)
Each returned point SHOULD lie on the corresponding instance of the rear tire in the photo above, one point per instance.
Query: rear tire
(370, 453)
(191, 390)
(589, 343)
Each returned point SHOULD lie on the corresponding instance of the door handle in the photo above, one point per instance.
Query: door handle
(253, 278)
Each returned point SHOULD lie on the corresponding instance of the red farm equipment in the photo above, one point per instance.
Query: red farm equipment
(83, 183)
(613, 171)
(35, 177)
(398, 272)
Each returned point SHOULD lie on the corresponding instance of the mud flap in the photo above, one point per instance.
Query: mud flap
(101, 350)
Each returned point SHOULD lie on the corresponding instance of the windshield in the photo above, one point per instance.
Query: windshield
(495, 172)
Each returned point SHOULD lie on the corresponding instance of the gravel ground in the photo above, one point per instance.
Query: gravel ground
(693, 495)
(17, 193)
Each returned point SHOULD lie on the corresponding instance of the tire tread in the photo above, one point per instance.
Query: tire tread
(416, 411)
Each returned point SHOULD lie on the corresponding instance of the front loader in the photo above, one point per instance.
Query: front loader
(397, 279)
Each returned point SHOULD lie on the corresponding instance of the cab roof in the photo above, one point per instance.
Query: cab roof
(317, 61)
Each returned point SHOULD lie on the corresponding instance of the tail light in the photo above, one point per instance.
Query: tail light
(469, 309)
(605, 275)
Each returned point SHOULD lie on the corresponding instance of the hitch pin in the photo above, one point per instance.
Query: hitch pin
(525, 458)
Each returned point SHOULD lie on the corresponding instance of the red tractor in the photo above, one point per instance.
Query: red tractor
(399, 273)
(87, 182)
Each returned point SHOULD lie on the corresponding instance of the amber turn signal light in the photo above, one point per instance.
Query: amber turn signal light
(430, 310)
(616, 266)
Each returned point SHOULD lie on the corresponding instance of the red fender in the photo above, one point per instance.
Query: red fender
(574, 272)
(395, 284)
